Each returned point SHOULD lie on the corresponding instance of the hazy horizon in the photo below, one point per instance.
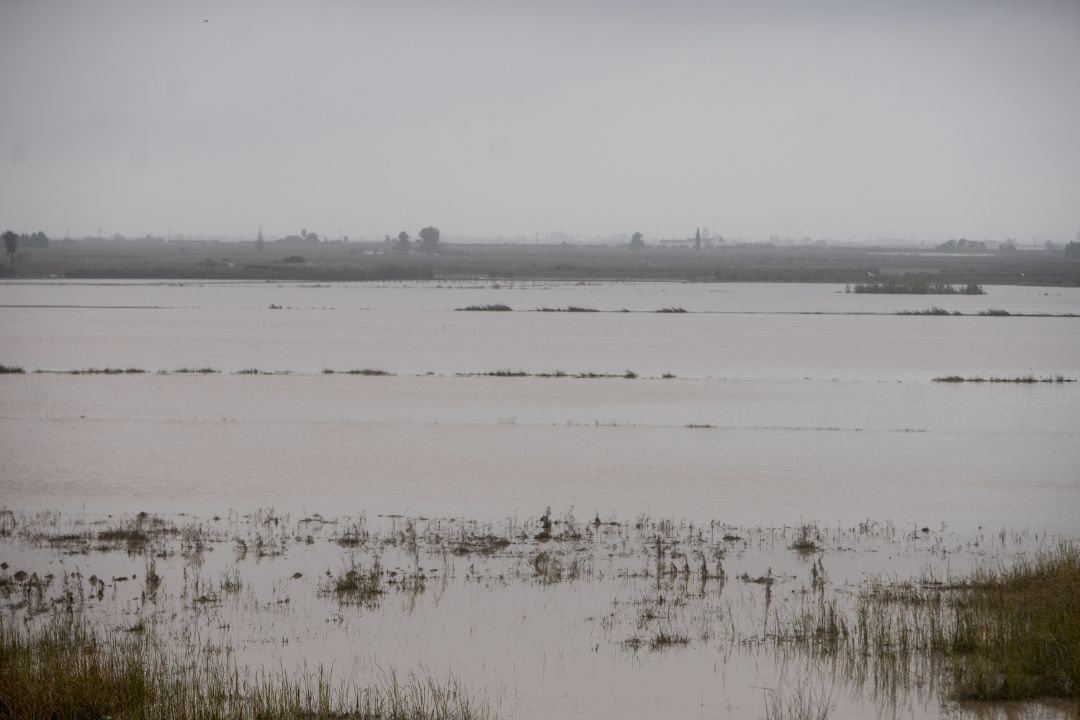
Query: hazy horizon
(853, 120)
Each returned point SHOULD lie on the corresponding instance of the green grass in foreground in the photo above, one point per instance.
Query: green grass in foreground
(64, 671)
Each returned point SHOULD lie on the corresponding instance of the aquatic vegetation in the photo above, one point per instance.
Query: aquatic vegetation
(355, 585)
(201, 371)
(10, 370)
(806, 541)
(932, 311)
(995, 313)
(568, 308)
(1010, 633)
(108, 371)
(800, 702)
(1022, 379)
(914, 287)
(648, 585)
(672, 310)
(497, 307)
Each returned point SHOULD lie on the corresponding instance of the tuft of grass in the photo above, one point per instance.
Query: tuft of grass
(497, 307)
(664, 639)
(355, 585)
(806, 540)
(630, 375)
(800, 702)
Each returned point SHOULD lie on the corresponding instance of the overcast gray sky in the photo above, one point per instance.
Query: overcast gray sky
(857, 119)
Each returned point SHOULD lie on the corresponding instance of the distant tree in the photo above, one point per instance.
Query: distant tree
(11, 244)
(429, 239)
(1072, 250)
(697, 239)
(259, 242)
(637, 241)
(403, 243)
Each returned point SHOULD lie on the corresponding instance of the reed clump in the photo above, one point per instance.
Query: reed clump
(496, 307)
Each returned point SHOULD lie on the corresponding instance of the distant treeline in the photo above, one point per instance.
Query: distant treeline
(374, 261)
(286, 271)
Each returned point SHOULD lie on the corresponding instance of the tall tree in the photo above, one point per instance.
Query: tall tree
(637, 241)
(429, 239)
(11, 244)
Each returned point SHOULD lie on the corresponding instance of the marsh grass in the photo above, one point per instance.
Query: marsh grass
(806, 540)
(798, 702)
(356, 585)
(672, 310)
(932, 311)
(63, 670)
(914, 287)
(997, 635)
(1022, 379)
(196, 370)
(108, 371)
(10, 370)
(568, 308)
(496, 307)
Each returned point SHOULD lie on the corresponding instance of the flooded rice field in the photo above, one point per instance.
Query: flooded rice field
(764, 503)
